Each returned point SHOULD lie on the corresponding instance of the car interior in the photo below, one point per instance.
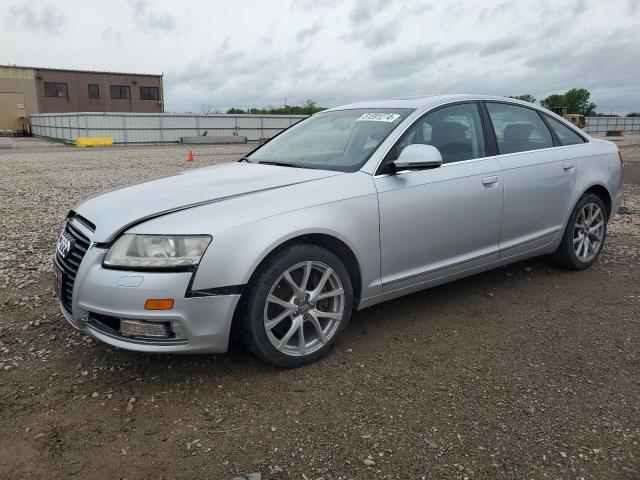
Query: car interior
(452, 140)
(516, 138)
(451, 133)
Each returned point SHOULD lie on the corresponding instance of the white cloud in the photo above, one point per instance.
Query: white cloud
(220, 54)
(44, 18)
(149, 17)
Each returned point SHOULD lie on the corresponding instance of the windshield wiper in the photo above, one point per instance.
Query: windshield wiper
(282, 164)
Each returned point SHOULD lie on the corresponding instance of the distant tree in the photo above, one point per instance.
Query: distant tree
(307, 108)
(576, 100)
(207, 109)
(633, 114)
(554, 101)
(525, 98)
(310, 107)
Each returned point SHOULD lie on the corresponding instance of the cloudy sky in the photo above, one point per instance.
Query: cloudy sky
(260, 53)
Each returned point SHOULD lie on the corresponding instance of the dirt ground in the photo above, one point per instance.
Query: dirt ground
(524, 372)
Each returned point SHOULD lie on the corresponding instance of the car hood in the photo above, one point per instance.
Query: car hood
(114, 211)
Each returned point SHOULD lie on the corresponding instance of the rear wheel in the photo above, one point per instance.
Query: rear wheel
(584, 235)
(298, 303)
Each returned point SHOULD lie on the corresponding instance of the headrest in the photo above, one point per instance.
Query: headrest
(517, 131)
(448, 132)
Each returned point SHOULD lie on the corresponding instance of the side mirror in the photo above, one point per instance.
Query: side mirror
(418, 157)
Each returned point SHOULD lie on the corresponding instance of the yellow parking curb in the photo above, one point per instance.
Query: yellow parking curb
(94, 142)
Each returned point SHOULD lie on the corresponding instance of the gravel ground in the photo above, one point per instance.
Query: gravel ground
(519, 373)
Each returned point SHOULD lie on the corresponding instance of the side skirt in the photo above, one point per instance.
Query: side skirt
(446, 278)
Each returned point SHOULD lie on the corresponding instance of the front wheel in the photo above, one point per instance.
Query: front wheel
(298, 303)
(584, 235)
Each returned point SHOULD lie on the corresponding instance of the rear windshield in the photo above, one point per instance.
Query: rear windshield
(340, 140)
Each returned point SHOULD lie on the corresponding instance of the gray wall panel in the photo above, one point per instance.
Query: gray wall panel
(131, 128)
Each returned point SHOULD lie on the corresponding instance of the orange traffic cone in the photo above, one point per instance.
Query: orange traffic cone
(190, 157)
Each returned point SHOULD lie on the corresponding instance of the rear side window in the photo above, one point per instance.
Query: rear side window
(518, 129)
(565, 134)
(456, 131)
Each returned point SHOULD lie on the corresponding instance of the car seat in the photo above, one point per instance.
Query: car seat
(450, 138)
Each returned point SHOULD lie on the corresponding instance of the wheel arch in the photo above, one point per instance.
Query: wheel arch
(602, 192)
(330, 242)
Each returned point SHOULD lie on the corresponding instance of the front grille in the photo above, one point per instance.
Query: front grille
(69, 265)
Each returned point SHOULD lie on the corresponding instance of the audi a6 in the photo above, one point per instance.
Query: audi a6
(348, 208)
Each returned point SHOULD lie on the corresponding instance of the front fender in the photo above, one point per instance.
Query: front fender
(246, 229)
(235, 254)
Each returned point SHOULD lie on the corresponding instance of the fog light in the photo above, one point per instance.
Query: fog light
(158, 304)
(143, 329)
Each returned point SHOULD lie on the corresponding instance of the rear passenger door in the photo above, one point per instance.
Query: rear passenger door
(538, 178)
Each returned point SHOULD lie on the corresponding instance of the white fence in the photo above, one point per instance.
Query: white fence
(132, 128)
(602, 124)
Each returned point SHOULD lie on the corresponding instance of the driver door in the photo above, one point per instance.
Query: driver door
(443, 221)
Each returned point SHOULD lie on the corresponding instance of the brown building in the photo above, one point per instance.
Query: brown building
(27, 90)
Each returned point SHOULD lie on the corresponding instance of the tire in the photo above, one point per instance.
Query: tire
(567, 253)
(274, 310)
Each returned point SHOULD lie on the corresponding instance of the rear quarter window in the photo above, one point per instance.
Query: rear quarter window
(566, 135)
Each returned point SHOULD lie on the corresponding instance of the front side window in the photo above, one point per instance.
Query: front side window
(94, 90)
(52, 89)
(518, 129)
(456, 131)
(120, 92)
(340, 140)
(565, 134)
(149, 93)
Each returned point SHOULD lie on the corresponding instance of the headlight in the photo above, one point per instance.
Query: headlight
(157, 251)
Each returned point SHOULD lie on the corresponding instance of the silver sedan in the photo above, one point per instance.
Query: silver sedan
(348, 208)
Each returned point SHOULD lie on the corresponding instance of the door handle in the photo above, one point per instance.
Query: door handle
(568, 166)
(490, 181)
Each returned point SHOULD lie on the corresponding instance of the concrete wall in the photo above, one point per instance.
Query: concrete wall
(602, 124)
(17, 96)
(132, 128)
(78, 88)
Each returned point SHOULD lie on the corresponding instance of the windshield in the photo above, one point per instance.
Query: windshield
(340, 140)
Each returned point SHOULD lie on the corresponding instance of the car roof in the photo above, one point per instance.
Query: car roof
(427, 101)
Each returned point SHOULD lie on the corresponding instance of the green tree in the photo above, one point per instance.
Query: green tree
(554, 101)
(576, 100)
(633, 114)
(307, 108)
(526, 98)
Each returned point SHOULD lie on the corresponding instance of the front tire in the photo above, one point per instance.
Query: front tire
(584, 234)
(298, 303)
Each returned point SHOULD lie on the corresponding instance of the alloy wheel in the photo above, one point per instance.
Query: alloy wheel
(588, 232)
(304, 308)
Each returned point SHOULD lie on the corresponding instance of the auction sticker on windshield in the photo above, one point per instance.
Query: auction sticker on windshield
(379, 117)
